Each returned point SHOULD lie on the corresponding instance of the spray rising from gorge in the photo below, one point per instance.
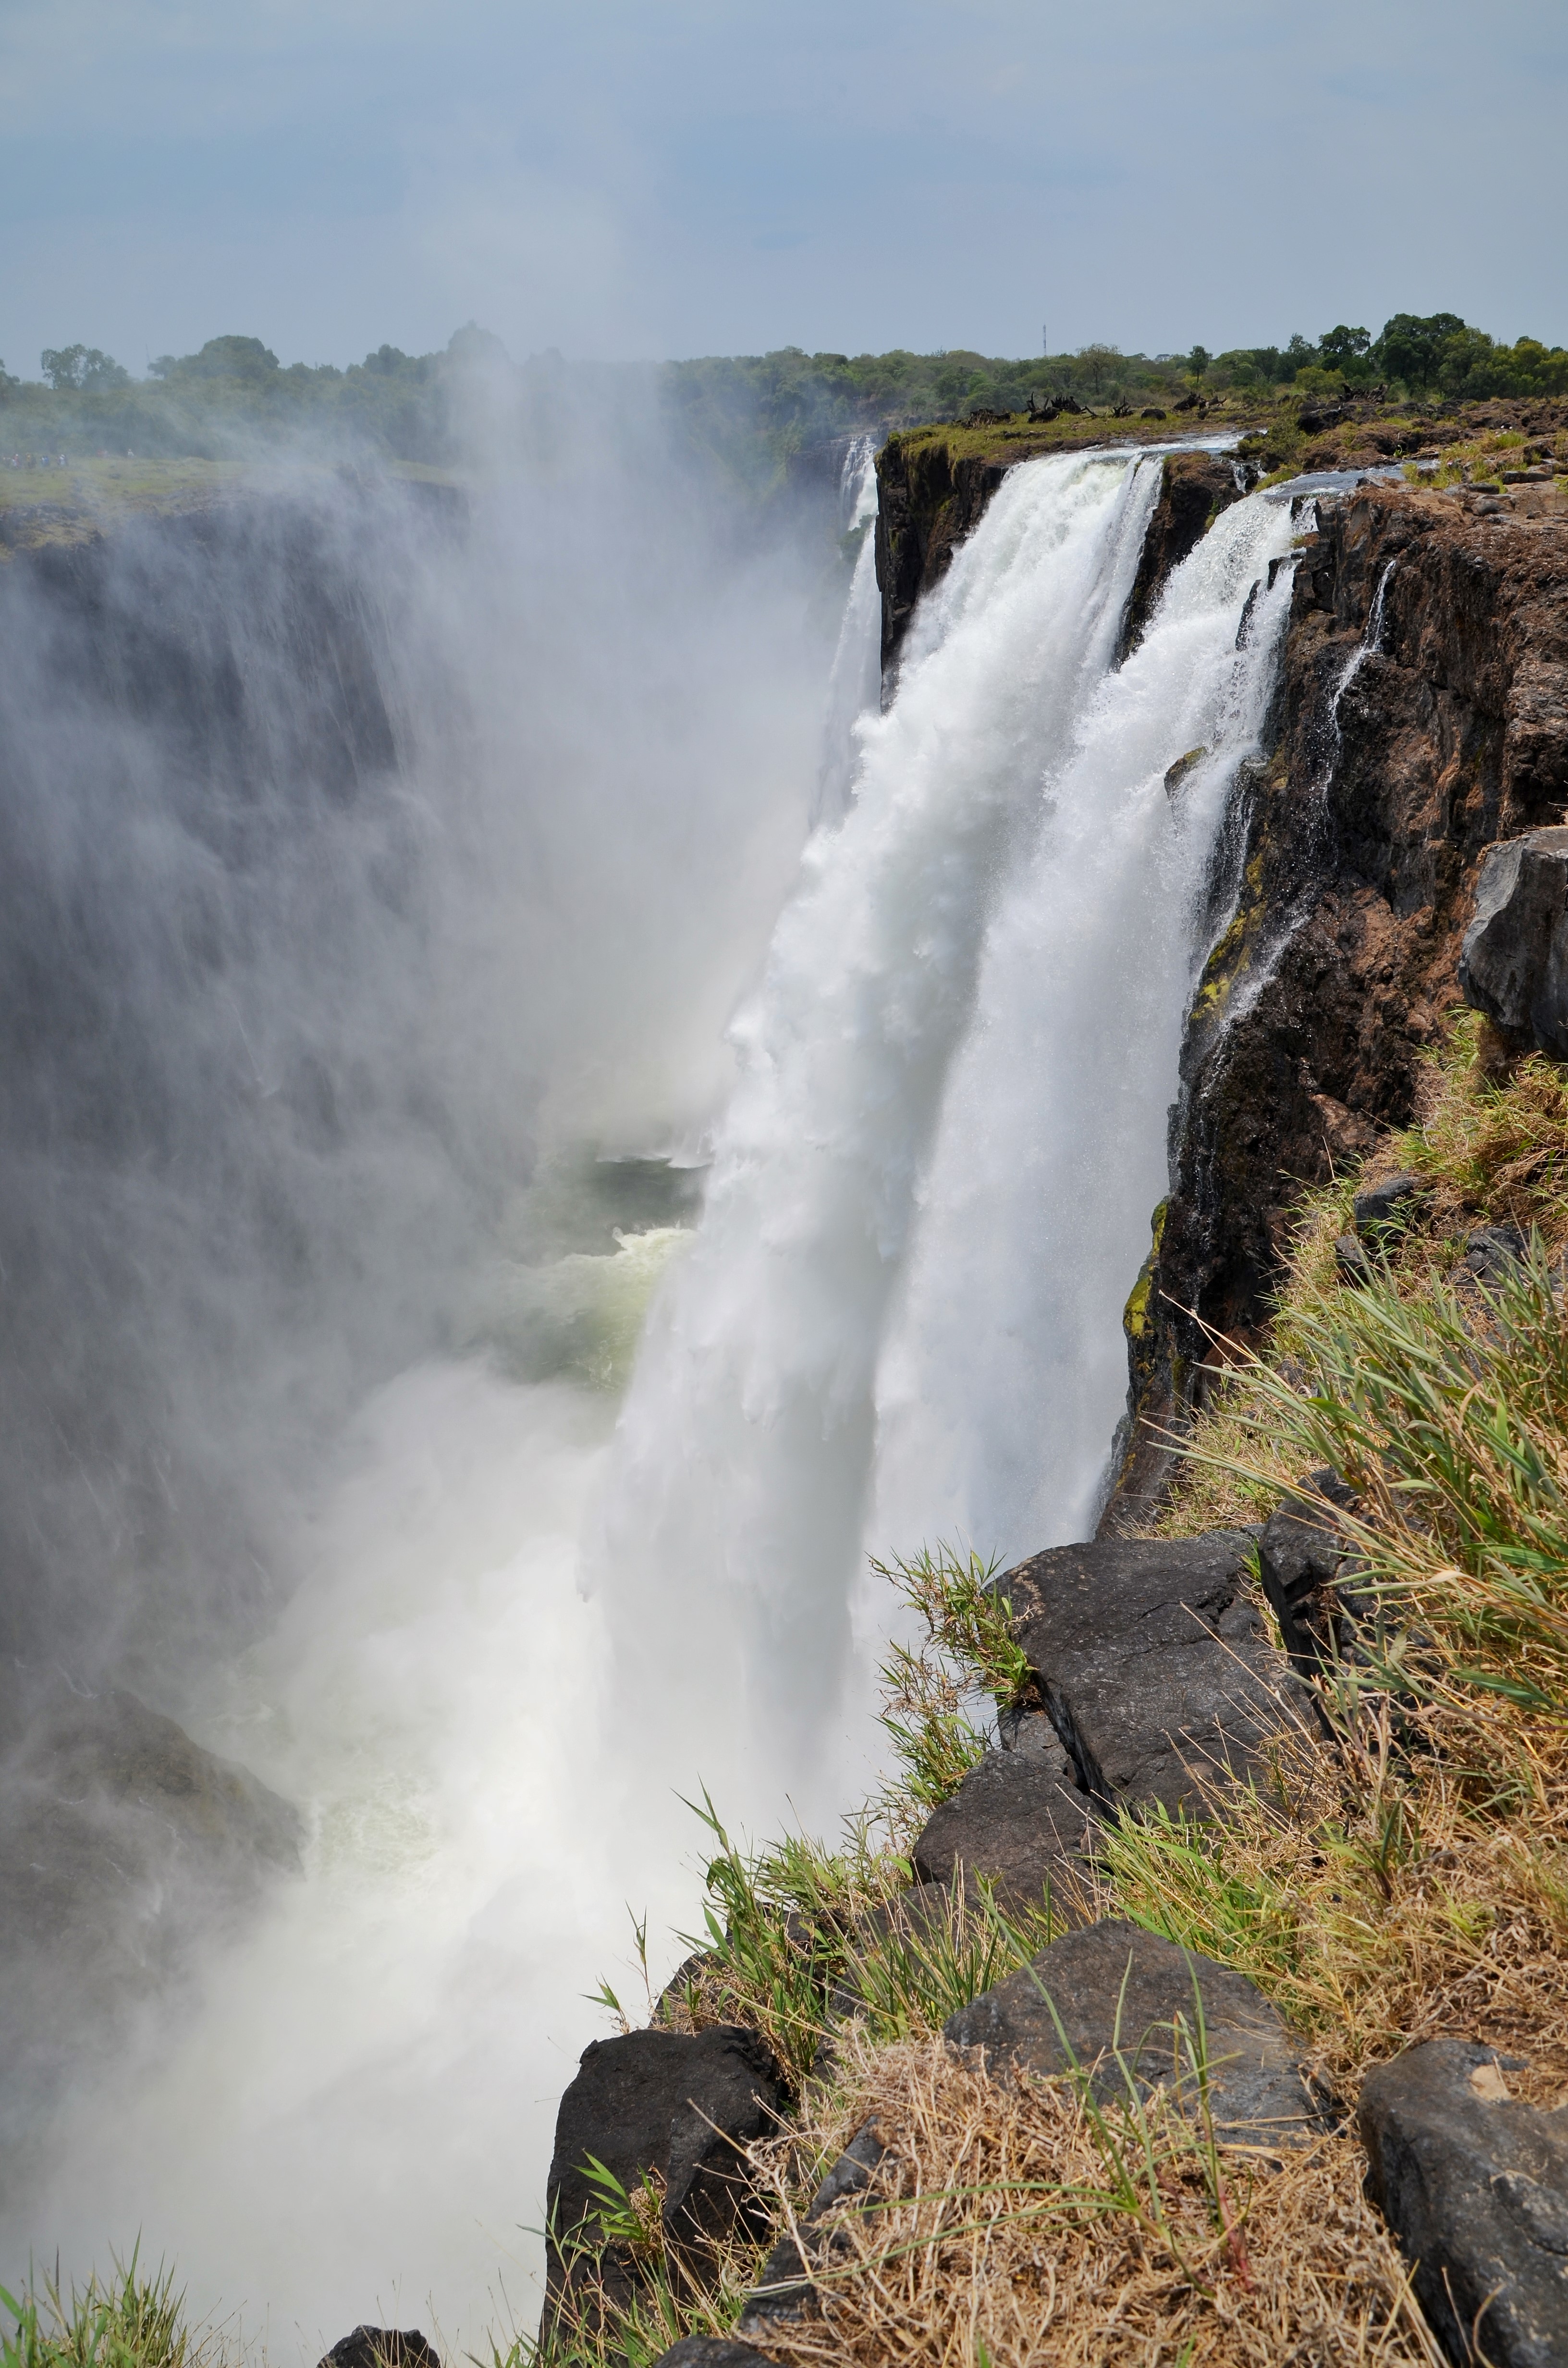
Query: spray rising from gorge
(518, 1626)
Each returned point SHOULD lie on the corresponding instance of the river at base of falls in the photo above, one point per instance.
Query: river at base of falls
(531, 1623)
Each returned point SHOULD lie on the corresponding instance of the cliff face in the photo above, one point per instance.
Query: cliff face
(1407, 743)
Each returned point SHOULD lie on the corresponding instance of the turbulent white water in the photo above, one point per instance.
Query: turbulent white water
(528, 1626)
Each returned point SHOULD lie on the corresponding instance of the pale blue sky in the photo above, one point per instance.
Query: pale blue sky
(619, 178)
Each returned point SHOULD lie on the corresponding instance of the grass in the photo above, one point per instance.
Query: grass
(133, 2319)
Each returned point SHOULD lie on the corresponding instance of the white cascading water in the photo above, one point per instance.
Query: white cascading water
(898, 1317)
(854, 687)
(932, 1189)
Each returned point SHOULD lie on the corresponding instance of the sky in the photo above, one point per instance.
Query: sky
(625, 178)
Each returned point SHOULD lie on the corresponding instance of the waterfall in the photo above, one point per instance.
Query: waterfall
(931, 1190)
(519, 1634)
(855, 683)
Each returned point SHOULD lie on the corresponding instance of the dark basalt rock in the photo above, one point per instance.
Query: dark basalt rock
(1152, 1663)
(661, 2101)
(784, 2291)
(1352, 854)
(383, 2347)
(120, 1839)
(1390, 1203)
(1194, 488)
(1492, 1252)
(1514, 963)
(1018, 1821)
(1299, 1558)
(1474, 2184)
(1115, 1989)
(1351, 1263)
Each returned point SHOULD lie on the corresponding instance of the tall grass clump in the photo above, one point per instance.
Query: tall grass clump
(131, 2319)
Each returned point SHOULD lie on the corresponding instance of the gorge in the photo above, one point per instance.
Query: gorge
(370, 949)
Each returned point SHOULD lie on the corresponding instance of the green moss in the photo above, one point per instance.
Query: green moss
(1135, 1319)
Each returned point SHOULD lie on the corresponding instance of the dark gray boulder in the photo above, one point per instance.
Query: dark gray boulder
(1030, 1732)
(1018, 1822)
(1116, 1989)
(784, 2291)
(1299, 1558)
(684, 2105)
(1513, 961)
(1386, 1206)
(383, 2347)
(1351, 1263)
(1491, 1253)
(1474, 2184)
(1152, 1663)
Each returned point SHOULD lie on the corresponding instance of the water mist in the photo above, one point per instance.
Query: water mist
(514, 1624)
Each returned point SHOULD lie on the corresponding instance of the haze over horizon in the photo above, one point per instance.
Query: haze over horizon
(643, 181)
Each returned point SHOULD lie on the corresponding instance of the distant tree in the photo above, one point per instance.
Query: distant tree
(1411, 346)
(1099, 362)
(241, 358)
(1340, 346)
(1300, 354)
(81, 369)
(386, 361)
(1198, 360)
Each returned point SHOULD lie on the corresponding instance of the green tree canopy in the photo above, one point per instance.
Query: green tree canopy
(81, 368)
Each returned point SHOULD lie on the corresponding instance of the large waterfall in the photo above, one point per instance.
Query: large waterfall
(525, 1625)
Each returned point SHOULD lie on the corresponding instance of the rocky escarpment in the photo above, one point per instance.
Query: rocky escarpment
(1423, 715)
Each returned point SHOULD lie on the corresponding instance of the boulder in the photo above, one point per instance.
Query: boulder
(1017, 1820)
(1299, 1558)
(1492, 1252)
(383, 2347)
(683, 2105)
(1513, 961)
(783, 2291)
(1387, 1204)
(1114, 1989)
(1351, 1263)
(1030, 1732)
(1474, 2184)
(1152, 1663)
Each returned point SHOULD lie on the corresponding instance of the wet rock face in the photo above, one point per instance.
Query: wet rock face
(120, 1839)
(681, 2106)
(927, 504)
(1474, 2184)
(1513, 961)
(1195, 488)
(1357, 847)
(1116, 1989)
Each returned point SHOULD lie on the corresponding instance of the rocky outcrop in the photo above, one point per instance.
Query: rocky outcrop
(383, 2347)
(120, 1838)
(1120, 2005)
(1194, 488)
(677, 2107)
(928, 502)
(1513, 961)
(1152, 1664)
(1397, 759)
(1018, 1820)
(783, 2291)
(1474, 2184)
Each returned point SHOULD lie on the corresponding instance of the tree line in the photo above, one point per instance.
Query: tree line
(749, 414)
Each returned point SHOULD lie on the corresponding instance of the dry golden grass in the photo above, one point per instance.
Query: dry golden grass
(1000, 2228)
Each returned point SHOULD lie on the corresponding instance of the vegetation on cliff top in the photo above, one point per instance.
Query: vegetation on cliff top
(748, 415)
